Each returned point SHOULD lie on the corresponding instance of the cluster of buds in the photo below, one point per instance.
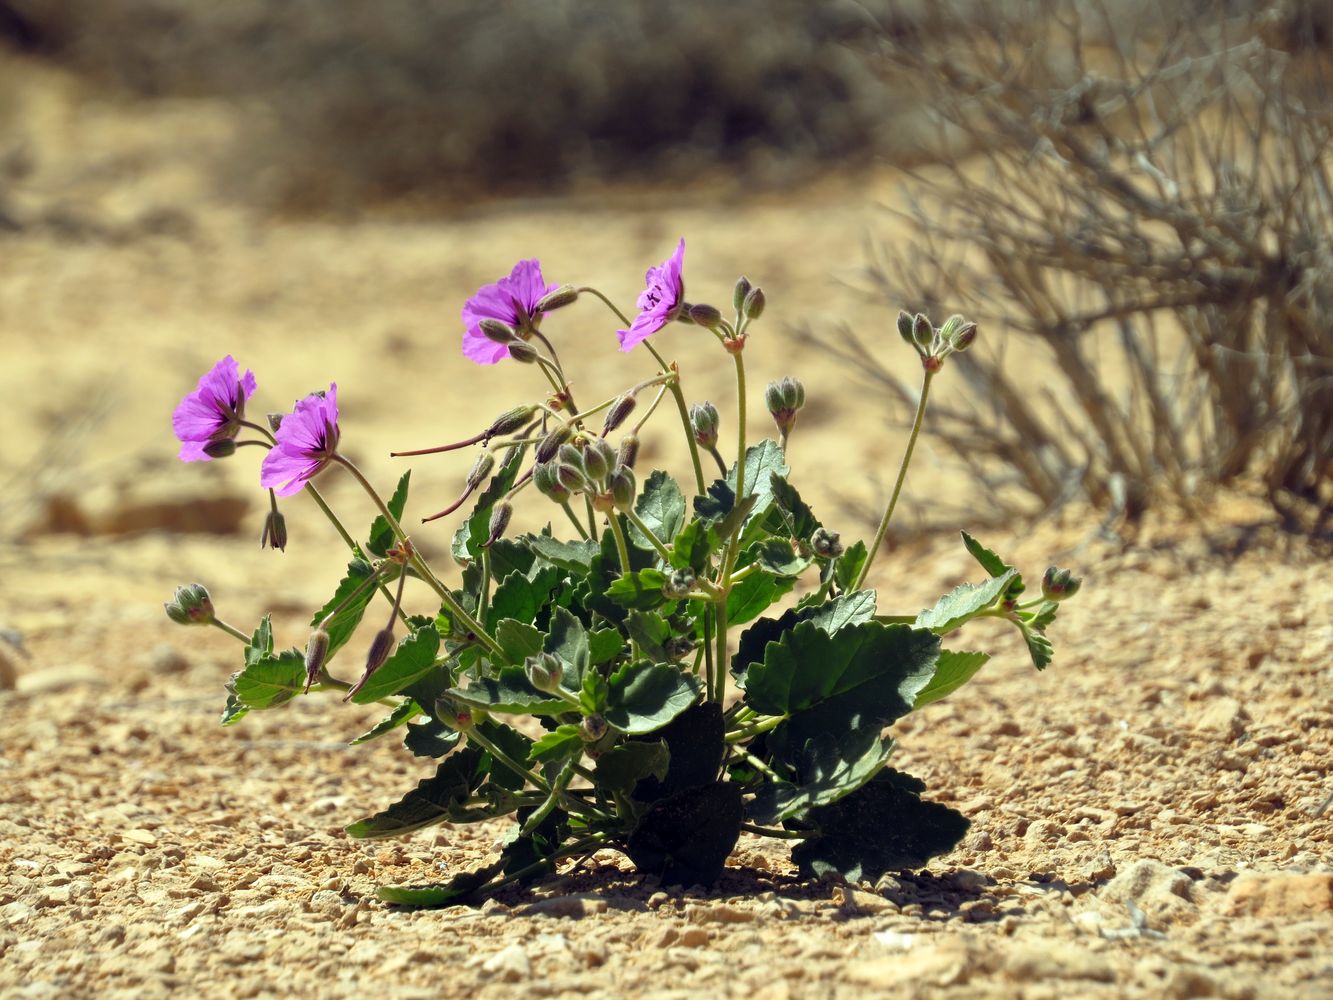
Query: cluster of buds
(679, 584)
(748, 302)
(784, 399)
(588, 465)
(191, 605)
(704, 420)
(1058, 584)
(935, 344)
(826, 544)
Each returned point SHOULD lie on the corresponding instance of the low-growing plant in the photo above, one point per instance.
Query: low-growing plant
(628, 685)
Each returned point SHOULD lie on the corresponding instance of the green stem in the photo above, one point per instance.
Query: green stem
(592, 517)
(684, 412)
(765, 831)
(562, 780)
(578, 525)
(545, 864)
(570, 802)
(741, 412)
(231, 630)
(757, 764)
(898, 486)
(721, 462)
(740, 735)
(662, 550)
(484, 599)
(621, 546)
(731, 550)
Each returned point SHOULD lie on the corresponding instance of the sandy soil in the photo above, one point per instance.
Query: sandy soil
(1149, 815)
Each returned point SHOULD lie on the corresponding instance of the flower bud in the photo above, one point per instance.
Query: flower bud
(550, 444)
(556, 299)
(220, 448)
(598, 459)
(738, 294)
(963, 339)
(316, 650)
(783, 399)
(706, 316)
(620, 409)
(905, 329)
(275, 531)
(481, 468)
(753, 306)
(570, 455)
(548, 484)
(190, 605)
(500, 516)
(523, 352)
(623, 487)
(543, 672)
(826, 544)
(380, 648)
(628, 453)
(497, 330)
(571, 477)
(923, 334)
(593, 729)
(1058, 584)
(459, 717)
(510, 421)
(703, 422)
(679, 646)
(678, 584)
(274, 421)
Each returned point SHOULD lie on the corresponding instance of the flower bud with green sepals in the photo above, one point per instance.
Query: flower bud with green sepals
(316, 651)
(753, 306)
(704, 420)
(950, 329)
(616, 414)
(510, 421)
(628, 452)
(738, 294)
(572, 455)
(190, 605)
(550, 444)
(523, 353)
(557, 298)
(543, 672)
(548, 483)
(275, 531)
(498, 331)
(905, 330)
(598, 459)
(709, 317)
(623, 487)
(678, 584)
(459, 717)
(923, 334)
(571, 477)
(221, 448)
(500, 516)
(481, 468)
(826, 544)
(380, 648)
(964, 337)
(783, 400)
(594, 727)
(1058, 584)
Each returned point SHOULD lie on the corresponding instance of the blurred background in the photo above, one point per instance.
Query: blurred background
(1133, 198)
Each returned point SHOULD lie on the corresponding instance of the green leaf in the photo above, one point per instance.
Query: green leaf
(883, 826)
(381, 535)
(271, 681)
(696, 743)
(963, 603)
(952, 671)
(406, 710)
(454, 780)
(559, 745)
(830, 617)
(777, 556)
(693, 545)
(430, 738)
(519, 640)
(510, 693)
(412, 660)
(1039, 648)
(346, 621)
(568, 641)
(261, 645)
(651, 632)
(458, 890)
(234, 710)
(794, 514)
(644, 696)
(754, 595)
(1044, 616)
(848, 565)
(604, 645)
(828, 767)
(472, 533)
(576, 557)
(989, 561)
(641, 590)
(863, 676)
(685, 838)
(661, 507)
(511, 556)
(621, 768)
(511, 742)
(520, 597)
(593, 694)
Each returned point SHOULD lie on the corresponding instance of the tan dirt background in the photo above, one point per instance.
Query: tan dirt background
(1148, 815)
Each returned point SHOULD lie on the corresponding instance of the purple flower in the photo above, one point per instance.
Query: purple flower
(214, 410)
(512, 300)
(307, 441)
(660, 302)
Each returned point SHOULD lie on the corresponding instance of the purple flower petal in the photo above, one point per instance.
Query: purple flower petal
(511, 300)
(659, 302)
(307, 441)
(213, 410)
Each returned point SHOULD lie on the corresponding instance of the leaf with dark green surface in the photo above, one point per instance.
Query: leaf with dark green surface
(472, 533)
(963, 603)
(604, 645)
(1039, 648)
(593, 693)
(661, 507)
(509, 693)
(777, 556)
(952, 671)
(520, 597)
(793, 514)
(621, 768)
(345, 621)
(431, 738)
(754, 595)
(848, 566)
(460, 889)
(519, 640)
(1044, 616)
(454, 780)
(568, 641)
(828, 767)
(651, 632)
(644, 696)
(881, 827)
(685, 838)
(271, 681)
(693, 545)
(848, 609)
(696, 743)
(575, 557)
(558, 745)
(510, 556)
(640, 590)
(234, 710)
(400, 716)
(261, 644)
(515, 745)
(412, 660)
(533, 854)
(993, 564)
(381, 535)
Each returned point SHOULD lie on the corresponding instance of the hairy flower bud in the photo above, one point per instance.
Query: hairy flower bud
(703, 422)
(571, 477)
(826, 544)
(1058, 584)
(598, 459)
(221, 448)
(275, 531)
(678, 584)
(500, 516)
(497, 330)
(753, 307)
(316, 650)
(550, 444)
(593, 729)
(709, 317)
(543, 671)
(964, 337)
(510, 421)
(523, 352)
(738, 294)
(905, 329)
(783, 400)
(556, 299)
(623, 487)
(628, 453)
(923, 334)
(380, 648)
(190, 605)
(481, 468)
(618, 411)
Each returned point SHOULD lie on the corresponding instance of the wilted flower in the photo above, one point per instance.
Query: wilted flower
(513, 301)
(213, 411)
(307, 441)
(660, 302)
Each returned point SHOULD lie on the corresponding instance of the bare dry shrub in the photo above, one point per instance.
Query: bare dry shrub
(1138, 210)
